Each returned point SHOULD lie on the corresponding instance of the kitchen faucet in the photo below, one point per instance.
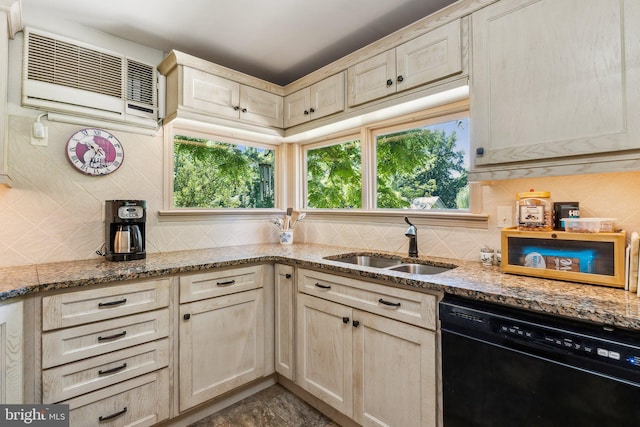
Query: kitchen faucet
(412, 234)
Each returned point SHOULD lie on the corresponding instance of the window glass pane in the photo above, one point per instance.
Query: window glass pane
(424, 168)
(215, 174)
(334, 177)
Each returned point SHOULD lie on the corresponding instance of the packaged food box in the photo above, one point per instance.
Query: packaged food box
(589, 225)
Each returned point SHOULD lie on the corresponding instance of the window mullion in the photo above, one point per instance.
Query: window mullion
(368, 169)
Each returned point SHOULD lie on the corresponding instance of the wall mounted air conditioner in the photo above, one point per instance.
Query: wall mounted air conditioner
(80, 80)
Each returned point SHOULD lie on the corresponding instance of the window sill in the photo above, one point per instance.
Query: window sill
(429, 218)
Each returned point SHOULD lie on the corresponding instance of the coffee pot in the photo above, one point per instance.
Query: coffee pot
(127, 240)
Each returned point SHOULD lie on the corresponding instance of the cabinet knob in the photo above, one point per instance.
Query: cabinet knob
(244, 110)
(479, 151)
(236, 108)
(356, 323)
(288, 276)
(306, 112)
(345, 320)
(400, 79)
(187, 316)
(313, 110)
(389, 82)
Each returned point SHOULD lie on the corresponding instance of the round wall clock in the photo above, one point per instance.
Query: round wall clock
(95, 152)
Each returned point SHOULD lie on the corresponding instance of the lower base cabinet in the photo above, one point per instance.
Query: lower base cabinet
(139, 402)
(376, 370)
(221, 345)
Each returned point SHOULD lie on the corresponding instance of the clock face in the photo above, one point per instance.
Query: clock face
(95, 152)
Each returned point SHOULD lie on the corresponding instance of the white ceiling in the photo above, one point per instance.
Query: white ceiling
(276, 40)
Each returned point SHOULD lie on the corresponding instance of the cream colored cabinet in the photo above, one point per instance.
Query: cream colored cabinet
(213, 95)
(427, 58)
(11, 352)
(105, 353)
(285, 291)
(554, 79)
(319, 100)
(221, 339)
(371, 367)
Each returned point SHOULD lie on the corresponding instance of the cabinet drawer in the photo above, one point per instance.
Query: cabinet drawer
(219, 282)
(86, 306)
(416, 308)
(69, 345)
(140, 402)
(74, 379)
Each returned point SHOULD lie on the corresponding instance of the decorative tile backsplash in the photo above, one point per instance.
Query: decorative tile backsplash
(53, 213)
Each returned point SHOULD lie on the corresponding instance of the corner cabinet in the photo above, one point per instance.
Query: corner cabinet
(427, 58)
(319, 100)
(356, 353)
(223, 332)
(553, 80)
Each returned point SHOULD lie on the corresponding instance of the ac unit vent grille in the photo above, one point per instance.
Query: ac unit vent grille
(140, 83)
(58, 62)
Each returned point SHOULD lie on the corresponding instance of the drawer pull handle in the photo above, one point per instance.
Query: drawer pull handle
(113, 337)
(112, 370)
(112, 303)
(227, 283)
(392, 304)
(318, 285)
(112, 416)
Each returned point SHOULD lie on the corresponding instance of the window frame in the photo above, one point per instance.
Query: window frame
(471, 218)
(229, 136)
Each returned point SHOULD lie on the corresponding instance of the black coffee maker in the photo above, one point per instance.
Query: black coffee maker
(125, 229)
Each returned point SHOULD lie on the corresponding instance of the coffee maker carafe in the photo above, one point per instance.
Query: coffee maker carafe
(125, 229)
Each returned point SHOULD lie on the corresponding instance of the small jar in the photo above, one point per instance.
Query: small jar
(534, 211)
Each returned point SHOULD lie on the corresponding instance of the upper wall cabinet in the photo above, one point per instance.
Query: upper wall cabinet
(319, 100)
(205, 91)
(215, 95)
(553, 80)
(430, 57)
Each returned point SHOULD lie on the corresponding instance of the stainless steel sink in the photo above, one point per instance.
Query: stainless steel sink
(419, 268)
(367, 260)
(391, 263)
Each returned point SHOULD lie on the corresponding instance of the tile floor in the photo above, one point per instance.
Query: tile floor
(272, 407)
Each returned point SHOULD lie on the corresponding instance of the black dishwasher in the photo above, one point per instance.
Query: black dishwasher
(504, 367)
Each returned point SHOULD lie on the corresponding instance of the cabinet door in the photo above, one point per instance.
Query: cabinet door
(285, 291)
(324, 344)
(432, 56)
(327, 96)
(261, 107)
(394, 370)
(210, 94)
(11, 353)
(221, 345)
(372, 78)
(554, 79)
(296, 107)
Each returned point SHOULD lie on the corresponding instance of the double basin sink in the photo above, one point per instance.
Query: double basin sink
(392, 263)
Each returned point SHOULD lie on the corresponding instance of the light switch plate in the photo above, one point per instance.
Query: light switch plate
(504, 217)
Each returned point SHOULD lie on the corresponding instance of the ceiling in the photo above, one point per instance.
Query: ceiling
(276, 40)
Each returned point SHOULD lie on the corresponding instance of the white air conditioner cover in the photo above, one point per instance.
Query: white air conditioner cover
(64, 75)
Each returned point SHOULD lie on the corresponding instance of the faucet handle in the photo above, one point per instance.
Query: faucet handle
(406, 219)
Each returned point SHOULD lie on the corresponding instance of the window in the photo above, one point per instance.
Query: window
(212, 173)
(418, 165)
(334, 176)
(423, 167)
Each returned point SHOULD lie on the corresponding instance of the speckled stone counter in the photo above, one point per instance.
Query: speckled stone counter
(470, 279)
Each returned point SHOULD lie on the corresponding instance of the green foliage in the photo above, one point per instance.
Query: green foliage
(210, 174)
(334, 176)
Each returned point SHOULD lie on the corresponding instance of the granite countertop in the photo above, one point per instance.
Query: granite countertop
(470, 279)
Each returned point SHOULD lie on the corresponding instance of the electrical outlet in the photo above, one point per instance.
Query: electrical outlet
(504, 217)
(39, 135)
